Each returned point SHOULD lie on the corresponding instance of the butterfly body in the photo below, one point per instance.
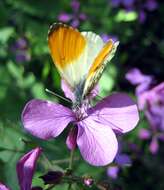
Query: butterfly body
(80, 58)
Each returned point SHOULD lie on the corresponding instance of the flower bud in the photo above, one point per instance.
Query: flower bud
(52, 177)
(88, 181)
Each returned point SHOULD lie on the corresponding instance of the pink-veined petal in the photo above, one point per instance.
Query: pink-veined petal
(71, 138)
(25, 168)
(3, 187)
(118, 111)
(45, 119)
(97, 142)
(67, 90)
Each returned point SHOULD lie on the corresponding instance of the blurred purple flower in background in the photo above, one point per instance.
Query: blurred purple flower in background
(76, 16)
(107, 37)
(142, 7)
(121, 160)
(112, 171)
(151, 5)
(127, 4)
(151, 101)
(20, 50)
(115, 3)
(25, 169)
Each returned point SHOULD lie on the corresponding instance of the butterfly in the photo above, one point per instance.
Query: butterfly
(80, 57)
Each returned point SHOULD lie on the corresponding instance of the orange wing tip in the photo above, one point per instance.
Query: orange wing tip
(66, 44)
(57, 25)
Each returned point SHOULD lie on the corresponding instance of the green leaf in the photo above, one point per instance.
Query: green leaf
(5, 34)
(38, 91)
(107, 80)
(126, 16)
(15, 70)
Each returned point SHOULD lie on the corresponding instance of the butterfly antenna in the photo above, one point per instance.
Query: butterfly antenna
(57, 95)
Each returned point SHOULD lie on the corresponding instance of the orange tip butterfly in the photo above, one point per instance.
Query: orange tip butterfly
(80, 57)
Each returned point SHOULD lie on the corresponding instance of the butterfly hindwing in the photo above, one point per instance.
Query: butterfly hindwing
(98, 66)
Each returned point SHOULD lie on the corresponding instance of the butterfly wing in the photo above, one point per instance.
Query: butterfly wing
(103, 57)
(79, 57)
(68, 51)
(73, 52)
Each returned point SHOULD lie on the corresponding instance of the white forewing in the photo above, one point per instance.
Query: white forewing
(76, 72)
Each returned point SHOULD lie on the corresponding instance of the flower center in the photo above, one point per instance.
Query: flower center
(80, 111)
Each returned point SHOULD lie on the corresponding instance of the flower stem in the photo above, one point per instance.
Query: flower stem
(70, 166)
(71, 159)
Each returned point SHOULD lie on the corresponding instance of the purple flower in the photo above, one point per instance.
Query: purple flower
(21, 43)
(151, 101)
(142, 16)
(3, 187)
(93, 127)
(64, 17)
(25, 169)
(128, 3)
(115, 3)
(144, 134)
(113, 171)
(76, 15)
(75, 4)
(121, 160)
(154, 145)
(20, 50)
(22, 56)
(151, 5)
(141, 7)
(107, 37)
(143, 82)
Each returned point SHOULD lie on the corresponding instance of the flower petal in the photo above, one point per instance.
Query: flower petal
(113, 171)
(25, 168)
(144, 134)
(67, 90)
(70, 94)
(3, 187)
(97, 142)
(71, 138)
(154, 146)
(134, 76)
(64, 17)
(45, 119)
(123, 160)
(117, 111)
